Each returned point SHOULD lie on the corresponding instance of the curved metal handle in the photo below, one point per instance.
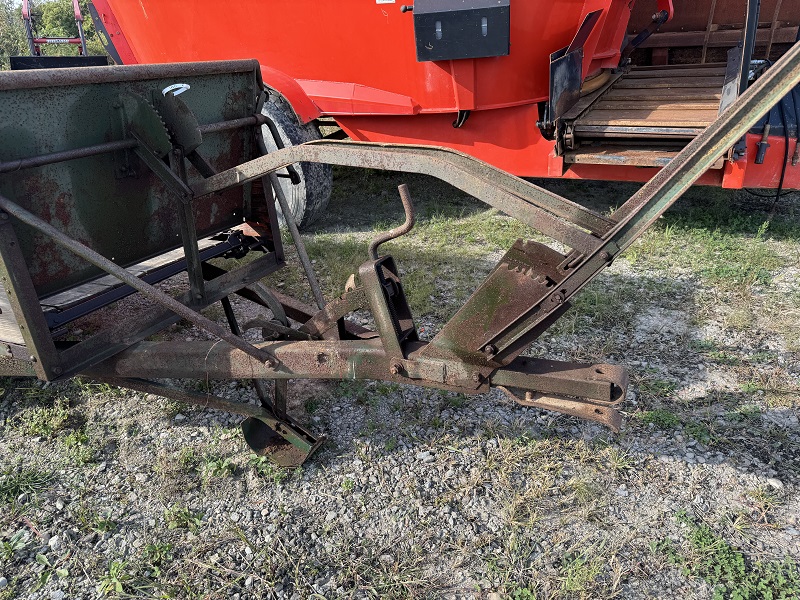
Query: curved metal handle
(405, 197)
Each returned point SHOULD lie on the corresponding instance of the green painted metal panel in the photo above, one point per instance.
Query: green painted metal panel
(113, 202)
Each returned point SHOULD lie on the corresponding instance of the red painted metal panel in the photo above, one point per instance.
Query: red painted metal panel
(367, 43)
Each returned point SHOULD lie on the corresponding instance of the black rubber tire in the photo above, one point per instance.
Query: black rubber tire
(309, 198)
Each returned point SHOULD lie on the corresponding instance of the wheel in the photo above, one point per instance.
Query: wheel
(308, 198)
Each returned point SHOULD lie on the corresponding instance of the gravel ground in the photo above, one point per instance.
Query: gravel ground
(426, 494)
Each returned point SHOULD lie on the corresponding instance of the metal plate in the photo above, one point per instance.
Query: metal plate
(453, 29)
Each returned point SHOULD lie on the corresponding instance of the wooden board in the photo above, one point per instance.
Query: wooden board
(637, 157)
(9, 328)
(670, 83)
(665, 94)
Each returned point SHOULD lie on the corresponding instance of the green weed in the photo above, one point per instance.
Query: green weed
(732, 576)
(267, 469)
(156, 556)
(181, 517)
(50, 570)
(116, 579)
(13, 545)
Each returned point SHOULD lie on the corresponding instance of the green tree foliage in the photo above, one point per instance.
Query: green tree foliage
(12, 32)
(54, 18)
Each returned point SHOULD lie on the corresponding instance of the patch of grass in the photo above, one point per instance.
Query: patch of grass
(44, 420)
(724, 358)
(78, 448)
(355, 389)
(19, 480)
(579, 573)
(656, 388)
(764, 500)
(181, 517)
(93, 521)
(619, 460)
(698, 431)
(312, 405)
(454, 400)
(708, 556)
(746, 413)
(661, 418)
(727, 248)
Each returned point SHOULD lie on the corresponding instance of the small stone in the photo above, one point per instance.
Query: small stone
(54, 543)
(59, 504)
(775, 483)
(3, 583)
(330, 516)
(179, 418)
(235, 516)
(57, 595)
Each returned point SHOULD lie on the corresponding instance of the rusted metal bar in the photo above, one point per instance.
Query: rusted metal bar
(603, 383)
(323, 359)
(130, 144)
(466, 173)
(119, 336)
(299, 245)
(710, 24)
(351, 359)
(408, 208)
(773, 28)
(136, 283)
(24, 302)
(185, 210)
(37, 78)
(270, 181)
(233, 124)
(57, 157)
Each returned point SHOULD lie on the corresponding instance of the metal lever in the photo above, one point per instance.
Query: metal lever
(405, 197)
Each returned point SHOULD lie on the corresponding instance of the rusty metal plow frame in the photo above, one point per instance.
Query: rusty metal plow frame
(481, 346)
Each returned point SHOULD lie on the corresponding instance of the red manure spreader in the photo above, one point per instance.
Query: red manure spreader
(594, 89)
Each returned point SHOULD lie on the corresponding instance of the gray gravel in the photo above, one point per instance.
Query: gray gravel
(420, 493)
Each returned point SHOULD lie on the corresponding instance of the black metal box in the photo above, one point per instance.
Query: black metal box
(452, 29)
